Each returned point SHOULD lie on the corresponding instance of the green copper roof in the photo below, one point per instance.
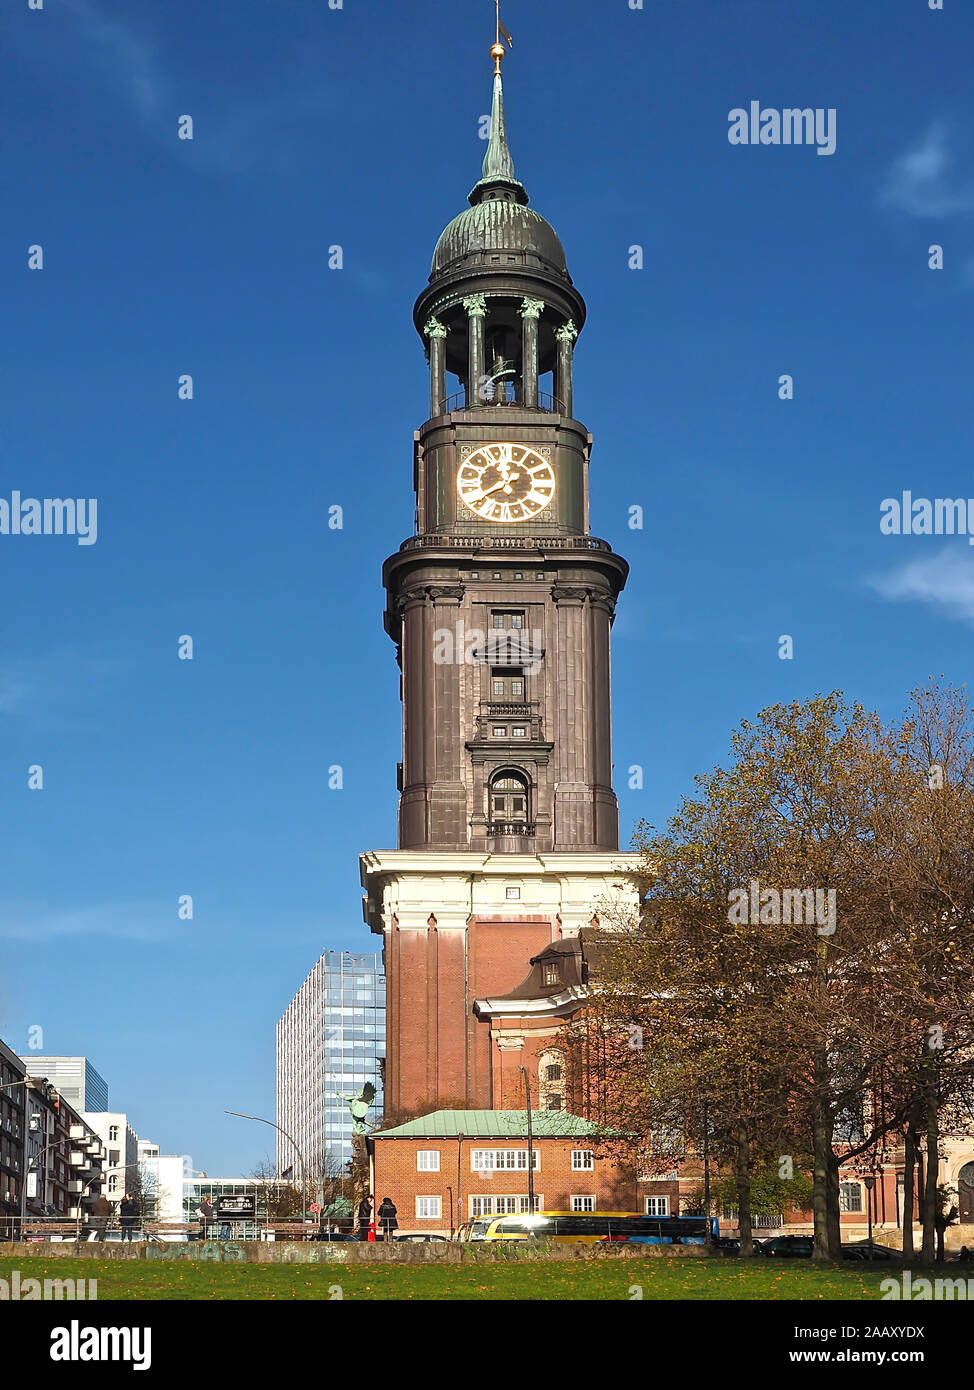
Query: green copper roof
(498, 171)
(498, 163)
(498, 225)
(491, 1124)
(499, 220)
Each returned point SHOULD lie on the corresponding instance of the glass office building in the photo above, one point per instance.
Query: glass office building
(330, 1042)
(75, 1078)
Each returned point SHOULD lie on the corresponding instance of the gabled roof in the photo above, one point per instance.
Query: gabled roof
(491, 1124)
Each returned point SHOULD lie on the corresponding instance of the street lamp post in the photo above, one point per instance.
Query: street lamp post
(304, 1167)
(869, 1184)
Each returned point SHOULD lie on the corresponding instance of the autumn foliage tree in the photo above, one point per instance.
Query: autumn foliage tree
(799, 978)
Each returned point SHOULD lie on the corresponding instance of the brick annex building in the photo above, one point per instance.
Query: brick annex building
(501, 608)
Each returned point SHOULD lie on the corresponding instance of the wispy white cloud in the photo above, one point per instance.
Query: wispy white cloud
(933, 177)
(238, 134)
(127, 57)
(128, 921)
(945, 581)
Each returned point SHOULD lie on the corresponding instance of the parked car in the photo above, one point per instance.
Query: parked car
(421, 1238)
(787, 1247)
(332, 1235)
(864, 1251)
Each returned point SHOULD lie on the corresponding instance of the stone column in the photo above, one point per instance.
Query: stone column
(476, 307)
(531, 311)
(566, 336)
(436, 333)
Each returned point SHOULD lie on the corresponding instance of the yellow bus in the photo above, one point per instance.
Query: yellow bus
(588, 1227)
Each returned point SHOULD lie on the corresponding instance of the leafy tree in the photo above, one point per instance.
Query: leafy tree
(801, 971)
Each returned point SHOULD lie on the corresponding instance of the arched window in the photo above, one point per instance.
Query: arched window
(965, 1190)
(509, 797)
(551, 1080)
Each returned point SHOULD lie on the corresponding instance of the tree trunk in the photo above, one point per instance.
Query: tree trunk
(834, 1224)
(742, 1176)
(930, 1185)
(821, 1164)
(909, 1162)
(825, 1186)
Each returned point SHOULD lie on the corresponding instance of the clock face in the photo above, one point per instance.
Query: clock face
(505, 482)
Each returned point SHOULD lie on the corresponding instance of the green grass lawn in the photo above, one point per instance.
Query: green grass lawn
(666, 1280)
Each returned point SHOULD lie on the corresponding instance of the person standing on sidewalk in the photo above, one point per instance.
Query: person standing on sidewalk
(387, 1218)
(128, 1216)
(101, 1214)
(204, 1214)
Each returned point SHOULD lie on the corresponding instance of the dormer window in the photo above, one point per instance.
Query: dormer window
(550, 975)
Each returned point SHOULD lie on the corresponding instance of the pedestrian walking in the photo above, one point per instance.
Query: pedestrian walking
(128, 1216)
(387, 1218)
(365, 1216)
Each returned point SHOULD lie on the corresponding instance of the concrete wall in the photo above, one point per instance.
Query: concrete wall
(347, 1253)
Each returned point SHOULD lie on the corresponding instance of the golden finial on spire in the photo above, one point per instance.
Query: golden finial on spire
(498, 50)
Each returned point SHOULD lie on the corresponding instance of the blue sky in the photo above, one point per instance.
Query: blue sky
(359, 127)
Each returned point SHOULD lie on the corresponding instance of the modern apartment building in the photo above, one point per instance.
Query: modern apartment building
(121, 1145)
(330, 1042)
(12, 1077)
(63, 1156)
(163, 1177)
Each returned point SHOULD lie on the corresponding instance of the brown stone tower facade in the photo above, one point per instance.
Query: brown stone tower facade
(501, 607)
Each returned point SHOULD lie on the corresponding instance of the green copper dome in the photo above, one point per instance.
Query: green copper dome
(499, 221)
(498, 225)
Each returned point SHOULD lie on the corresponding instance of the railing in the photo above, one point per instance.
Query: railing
(536, 543)
(510, 827)
(63, 1228)
(507, 395)
(758, 1223)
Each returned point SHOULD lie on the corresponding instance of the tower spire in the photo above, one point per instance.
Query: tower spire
(498, 172)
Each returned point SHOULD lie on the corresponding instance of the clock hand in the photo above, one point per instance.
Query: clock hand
(504, 483)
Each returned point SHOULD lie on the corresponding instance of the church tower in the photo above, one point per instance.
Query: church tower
(500, 606)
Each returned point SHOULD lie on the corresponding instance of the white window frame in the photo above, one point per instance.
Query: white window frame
(844, 1203)
(436, 1215)
(579, 1198)
(583, 1161)
(657, 1200)
(432, 1161)
(483, 1204)
(488, 1160)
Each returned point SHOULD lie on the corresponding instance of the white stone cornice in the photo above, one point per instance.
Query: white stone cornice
(405, 887)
